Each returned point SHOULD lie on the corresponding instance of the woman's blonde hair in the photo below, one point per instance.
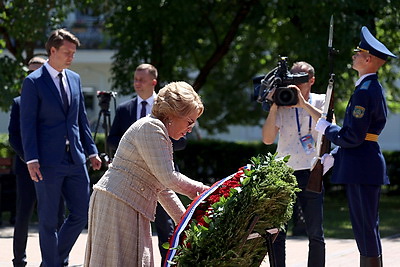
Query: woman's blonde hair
(176, 99)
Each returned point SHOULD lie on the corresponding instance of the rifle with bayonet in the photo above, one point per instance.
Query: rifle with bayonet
(323, 145)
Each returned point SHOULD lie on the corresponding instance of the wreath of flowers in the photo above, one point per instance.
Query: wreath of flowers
(257, 197)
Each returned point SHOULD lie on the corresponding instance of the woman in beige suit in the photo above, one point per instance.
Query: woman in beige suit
(124, 200)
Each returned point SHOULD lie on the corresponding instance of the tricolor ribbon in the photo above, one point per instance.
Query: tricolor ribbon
(187, 216)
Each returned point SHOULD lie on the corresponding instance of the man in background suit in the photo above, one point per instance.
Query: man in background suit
(26, 195)
(56, 140)
(145, 80)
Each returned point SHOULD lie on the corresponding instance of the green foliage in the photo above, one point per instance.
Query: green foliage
(337, 221)
(216, 45)
(193, 47)
(210, 160)
(23, 25)
(392, 159)
(96, 175)
(267, 194)
(5, 148)
(11, 76)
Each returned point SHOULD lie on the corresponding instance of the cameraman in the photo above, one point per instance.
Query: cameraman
(297, 138)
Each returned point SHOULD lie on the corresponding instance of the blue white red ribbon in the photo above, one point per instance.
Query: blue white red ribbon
(187, 216)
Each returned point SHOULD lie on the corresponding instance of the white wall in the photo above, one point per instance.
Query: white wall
(390, 136)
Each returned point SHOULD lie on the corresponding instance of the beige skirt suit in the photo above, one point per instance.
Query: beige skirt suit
(124, 200)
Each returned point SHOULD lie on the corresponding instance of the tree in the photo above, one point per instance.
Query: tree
(219, 46)
(185, 41)
(308, 33)
(23, 24)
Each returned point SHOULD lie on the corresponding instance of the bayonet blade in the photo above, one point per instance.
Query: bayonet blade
(330, 41)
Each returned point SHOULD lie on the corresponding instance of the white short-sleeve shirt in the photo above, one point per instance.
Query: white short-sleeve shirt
(289, 140)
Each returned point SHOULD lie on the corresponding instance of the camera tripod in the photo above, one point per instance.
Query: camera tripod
(105, 114)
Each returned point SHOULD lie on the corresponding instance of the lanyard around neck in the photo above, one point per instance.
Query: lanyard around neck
(298, 121)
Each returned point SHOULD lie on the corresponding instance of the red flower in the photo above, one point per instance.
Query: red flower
(213, 198)
(204, 209)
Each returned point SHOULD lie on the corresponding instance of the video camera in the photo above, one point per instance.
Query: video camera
(272, 88)
(104, 98)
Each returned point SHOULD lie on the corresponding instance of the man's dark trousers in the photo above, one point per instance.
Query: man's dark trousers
(26, 199)
(165, 228)
(312, 206)
(74, 181)
(26, 202)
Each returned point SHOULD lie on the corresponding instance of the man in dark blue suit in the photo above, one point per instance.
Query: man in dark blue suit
(26, 194)
(145, 80)
(358, 162)
(56, 140)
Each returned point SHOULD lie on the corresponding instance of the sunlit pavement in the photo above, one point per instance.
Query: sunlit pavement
(339, 252)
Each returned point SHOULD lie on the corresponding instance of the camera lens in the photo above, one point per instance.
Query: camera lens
(285, 96)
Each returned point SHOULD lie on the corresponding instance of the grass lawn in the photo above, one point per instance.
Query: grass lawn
(337, 219)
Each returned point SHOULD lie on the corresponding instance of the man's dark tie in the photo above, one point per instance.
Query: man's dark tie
(63, 94)
(143, 111)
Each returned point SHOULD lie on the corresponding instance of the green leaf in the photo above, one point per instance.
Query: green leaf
(165, 245)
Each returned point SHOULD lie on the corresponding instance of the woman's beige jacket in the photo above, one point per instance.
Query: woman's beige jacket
(142, 171)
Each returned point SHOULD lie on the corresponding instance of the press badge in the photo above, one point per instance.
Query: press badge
(307, 142)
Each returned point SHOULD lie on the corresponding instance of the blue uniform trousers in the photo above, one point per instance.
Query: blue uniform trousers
(72, 181)
(363, 206)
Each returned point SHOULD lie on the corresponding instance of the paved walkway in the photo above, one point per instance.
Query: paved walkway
(340, 252)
